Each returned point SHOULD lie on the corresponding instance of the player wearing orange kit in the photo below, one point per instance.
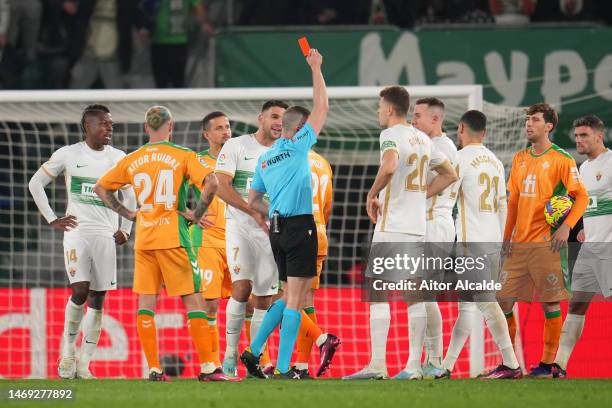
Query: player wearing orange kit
(310, 332)
(210, 241)
(160, 173)
(536, 263)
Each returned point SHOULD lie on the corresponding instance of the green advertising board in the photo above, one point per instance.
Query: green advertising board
(568, 67)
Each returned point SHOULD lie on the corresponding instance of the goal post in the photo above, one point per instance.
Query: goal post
(33, 124)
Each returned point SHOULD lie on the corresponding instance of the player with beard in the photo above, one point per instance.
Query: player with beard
(249, 255)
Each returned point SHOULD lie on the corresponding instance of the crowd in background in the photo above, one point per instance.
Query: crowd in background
(143, 43)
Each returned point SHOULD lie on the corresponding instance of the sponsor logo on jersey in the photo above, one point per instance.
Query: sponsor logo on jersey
(276, 159)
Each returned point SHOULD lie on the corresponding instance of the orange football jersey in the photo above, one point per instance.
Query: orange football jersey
(160, 173)
(212, 237)
(321, 196)
(533, 180)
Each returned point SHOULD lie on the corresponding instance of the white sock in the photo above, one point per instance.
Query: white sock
(433, 334)
(72, 323)
(497, 325)
(234, 318)
(321, 339)
(92, 327)
(417, 323)
(301, 366)
(258, 316)
(380, 320)
(461, 331)
(570, 333)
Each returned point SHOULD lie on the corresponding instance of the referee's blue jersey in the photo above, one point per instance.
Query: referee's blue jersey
(284, 173)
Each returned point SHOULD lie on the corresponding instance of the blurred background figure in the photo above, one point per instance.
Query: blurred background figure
(102, 42)
(512, 11)
(21, 41)
(169, 42)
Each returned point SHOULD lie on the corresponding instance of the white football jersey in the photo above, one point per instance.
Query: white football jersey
(597, 177)
(404, 199)
(441, 205)
(238, 159)
(82, 166)
(481, 195)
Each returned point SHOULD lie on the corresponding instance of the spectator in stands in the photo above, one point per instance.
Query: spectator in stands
(454, 11)
(5, 12)
(57, 21)
(170, 37)
(101, 45)
(512, 11)
(568, 10)
(21, 40)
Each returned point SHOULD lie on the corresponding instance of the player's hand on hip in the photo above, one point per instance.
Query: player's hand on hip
(373, 208)
(65, 223)
(560, 237)
(121, 237)
(581, 237)
(314, 59)
(261, 221)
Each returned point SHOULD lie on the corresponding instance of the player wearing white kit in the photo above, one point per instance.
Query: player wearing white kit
(91, 232)
(249, 255)
(428, 117)
(481, 205)
(592, 272)
(399, 215)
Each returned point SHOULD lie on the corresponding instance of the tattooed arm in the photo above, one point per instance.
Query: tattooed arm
(208, 193)
(108, 197)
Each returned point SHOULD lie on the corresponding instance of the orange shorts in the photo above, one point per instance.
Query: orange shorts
(175, 268)
(216, 279)
(534, 273)
(316, 280)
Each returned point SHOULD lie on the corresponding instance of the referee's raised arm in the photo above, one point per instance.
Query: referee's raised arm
(320, 103)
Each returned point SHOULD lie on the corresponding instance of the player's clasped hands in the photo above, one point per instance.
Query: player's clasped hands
(65, 223)
(203, 222)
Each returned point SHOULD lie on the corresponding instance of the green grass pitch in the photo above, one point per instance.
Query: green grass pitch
(322, 394)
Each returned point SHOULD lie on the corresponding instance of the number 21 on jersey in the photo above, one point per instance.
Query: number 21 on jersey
(164, 190)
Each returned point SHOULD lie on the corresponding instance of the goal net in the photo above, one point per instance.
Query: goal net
(33, 281)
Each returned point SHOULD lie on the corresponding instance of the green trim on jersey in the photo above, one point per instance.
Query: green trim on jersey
(168, 143)
(195, 269)
(567, 276)
(146, 312)
(81, 191)
(184, 237)
(530, 149)
(196, 231)
(563, 152)
(207, 153)
(604, 207)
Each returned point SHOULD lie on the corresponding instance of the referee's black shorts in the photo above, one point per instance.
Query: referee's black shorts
(295, 247)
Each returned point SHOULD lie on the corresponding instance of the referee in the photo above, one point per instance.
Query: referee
(283, 172)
